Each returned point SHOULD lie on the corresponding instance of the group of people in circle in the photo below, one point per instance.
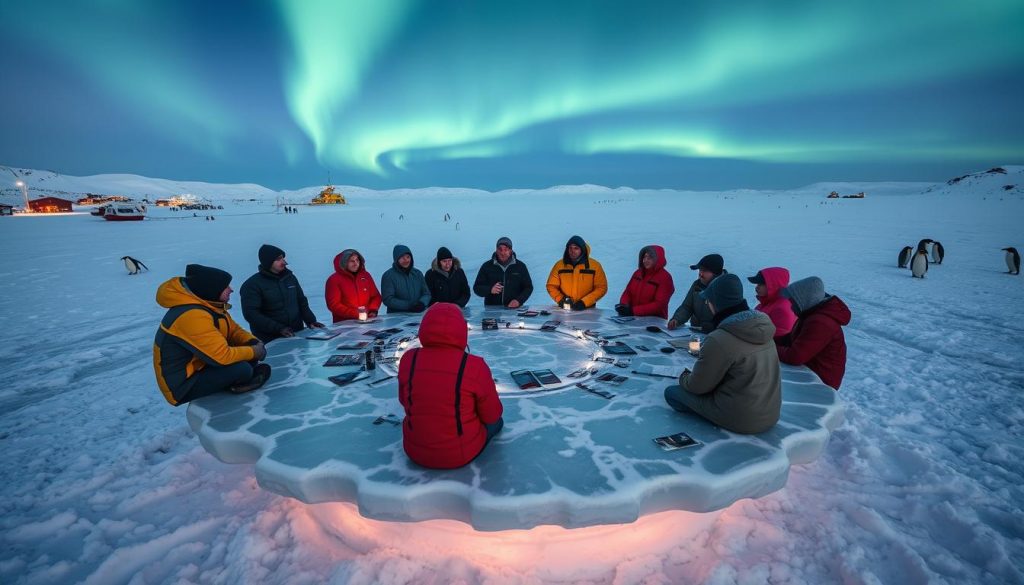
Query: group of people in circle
(451, 404)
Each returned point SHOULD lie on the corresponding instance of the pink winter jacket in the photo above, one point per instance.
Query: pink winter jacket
(773, 305)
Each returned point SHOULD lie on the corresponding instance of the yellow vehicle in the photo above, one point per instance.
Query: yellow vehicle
(329, 197)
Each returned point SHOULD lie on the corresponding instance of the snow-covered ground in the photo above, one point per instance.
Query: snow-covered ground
(103, 482)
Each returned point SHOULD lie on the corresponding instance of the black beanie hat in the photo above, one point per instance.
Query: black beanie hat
(268, 254)
(724, 291)
(206, 282)
(443, 254)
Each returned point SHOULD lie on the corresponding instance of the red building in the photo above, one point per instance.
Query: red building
(49, 205)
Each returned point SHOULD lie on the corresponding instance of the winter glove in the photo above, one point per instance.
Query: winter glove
(316, 325)
(624, 310)
(259, 351)
(418, 307)
(287, 332)
(579, 306)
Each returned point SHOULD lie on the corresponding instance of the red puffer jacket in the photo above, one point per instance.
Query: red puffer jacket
(648, 292)
(817, 341)
(346, 292)
(776, 307)
(443, 430)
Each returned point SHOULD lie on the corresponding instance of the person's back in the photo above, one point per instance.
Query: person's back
(451, 403)
(817, 340)
(736, 382)
(769, 283)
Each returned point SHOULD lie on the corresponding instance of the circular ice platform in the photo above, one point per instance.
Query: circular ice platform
(576, 452)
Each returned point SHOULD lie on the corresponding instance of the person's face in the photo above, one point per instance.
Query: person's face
(446, 264)
(405, 260)
(504, 253)
(648, 261)
(575, 252)
(353, 263)
(761, 290)
(278, 265)
(226, 294)
(705, 276)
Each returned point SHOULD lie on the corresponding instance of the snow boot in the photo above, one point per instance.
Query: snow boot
(261, 374)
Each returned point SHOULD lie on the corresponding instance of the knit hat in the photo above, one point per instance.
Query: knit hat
(713, 263)
(268, 254)
(205, 282)
(724, 291)
(504, 240)
(443, 254)
(806, 293)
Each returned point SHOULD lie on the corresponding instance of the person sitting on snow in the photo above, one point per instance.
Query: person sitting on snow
(736, 383)
(504, 280)
(446, 280)
(402, 287)
(199, 349)
(817, 339)
(693, 309)
(769, 282)
(272, 299)
(577, 279)
(452, 409)
(351, 287)
(650, 287)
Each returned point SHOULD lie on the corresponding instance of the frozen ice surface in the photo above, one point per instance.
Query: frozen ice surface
(566, 456)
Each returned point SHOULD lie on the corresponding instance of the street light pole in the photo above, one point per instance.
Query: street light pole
(24, 193)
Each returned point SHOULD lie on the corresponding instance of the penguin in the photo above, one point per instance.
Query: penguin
(937, 252)
(1012, 260)
(904, 257)
(133, 265)
(919, 265)
(923, 245)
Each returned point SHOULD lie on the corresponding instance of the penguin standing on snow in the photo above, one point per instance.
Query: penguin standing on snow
(920, 264)
(133, 265)
(938, 252)
(904, 258)
(923, 245)
(1012, 260)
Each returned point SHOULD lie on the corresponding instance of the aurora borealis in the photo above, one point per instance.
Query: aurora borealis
(396, 93)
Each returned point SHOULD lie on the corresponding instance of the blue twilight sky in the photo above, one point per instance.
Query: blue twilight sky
(403, 93)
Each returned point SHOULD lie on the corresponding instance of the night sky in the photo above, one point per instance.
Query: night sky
(388, 93)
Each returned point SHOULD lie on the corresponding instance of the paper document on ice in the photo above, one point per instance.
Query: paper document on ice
(673, 371)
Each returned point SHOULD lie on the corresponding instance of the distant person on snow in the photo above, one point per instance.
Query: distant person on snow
(736, 383)
(402, 287)
(446, 279)
(817, 340)
(769, 282)
(693, 309)
(504, 280)
(199, 349)
(272, 300)
(351, 287)
(452, 409)
(577, 279)
(650, 288)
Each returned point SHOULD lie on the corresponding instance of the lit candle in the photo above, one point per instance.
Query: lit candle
(567, 305)
(362, 314)
(522, 324)
(694, 345)
(579, 334)
(403, 345)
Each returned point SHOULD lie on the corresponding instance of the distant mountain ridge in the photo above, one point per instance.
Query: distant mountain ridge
(1008, 179)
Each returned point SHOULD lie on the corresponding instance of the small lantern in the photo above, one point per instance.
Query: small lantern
(695, 345)
(362, 314)
(522, 324)
(567, 306)
(579, 334)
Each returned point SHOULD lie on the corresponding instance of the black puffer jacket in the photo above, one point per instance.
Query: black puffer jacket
(452, 287)
(515, 277)
(271, 302)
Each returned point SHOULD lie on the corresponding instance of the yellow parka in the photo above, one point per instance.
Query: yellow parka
(194, 333)
(584, 281)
